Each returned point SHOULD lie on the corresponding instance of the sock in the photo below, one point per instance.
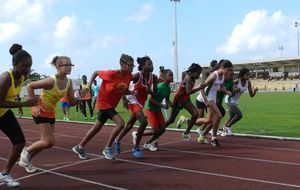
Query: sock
(213, 138)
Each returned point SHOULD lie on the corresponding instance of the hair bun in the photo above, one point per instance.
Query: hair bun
(139, 60)
(14, 48)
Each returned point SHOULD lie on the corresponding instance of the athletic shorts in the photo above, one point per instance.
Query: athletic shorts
(179, 106)
(65, 104)
(11, 128)
(38, 120)
(155, 119)
(200, 105)
(135, 108)
(104, 115)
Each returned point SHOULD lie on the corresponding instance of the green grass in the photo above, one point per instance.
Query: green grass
(274, 114)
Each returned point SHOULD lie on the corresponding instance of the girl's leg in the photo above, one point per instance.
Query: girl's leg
(193, 111)
(237, 115)
(94, 103)
(127, 128)
(117, 119)
(143, 124)
(47, 139)
(83, 108)
(89, 103)
(174, 113)
(91, 133)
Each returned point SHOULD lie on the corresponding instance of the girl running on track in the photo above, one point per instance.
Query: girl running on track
(242, 84)
(53, 89)
(142, 83)
(159, 80)
(153, 109)
(87, 99)
(11, 83)
(182, 98)
(214, 82)
(115, 84)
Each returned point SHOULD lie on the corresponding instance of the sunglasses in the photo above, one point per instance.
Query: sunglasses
(67, 65)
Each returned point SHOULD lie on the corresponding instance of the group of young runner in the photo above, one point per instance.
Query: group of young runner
(143, 93)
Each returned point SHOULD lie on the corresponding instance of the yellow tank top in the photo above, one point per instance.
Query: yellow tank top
(12, 91)
(88, 94)
(49, 99)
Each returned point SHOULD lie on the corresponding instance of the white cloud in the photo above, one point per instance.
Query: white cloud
(8, 31)
(48, 60)
(142, 15)
(260, 35)
(19, 19)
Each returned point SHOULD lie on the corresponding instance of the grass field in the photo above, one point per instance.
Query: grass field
(273, 114)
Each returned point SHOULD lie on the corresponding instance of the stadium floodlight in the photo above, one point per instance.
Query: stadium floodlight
(175, 43)
(281, 50)
(297, 25)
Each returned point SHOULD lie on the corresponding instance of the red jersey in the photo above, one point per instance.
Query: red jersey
(142, 88)
(113, 87)
(181, 95)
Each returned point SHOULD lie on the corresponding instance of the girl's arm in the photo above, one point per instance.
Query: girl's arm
(93, 77)
(70, 94)
(5, 83)
(252, 91)
(212, 77)
(46, 84)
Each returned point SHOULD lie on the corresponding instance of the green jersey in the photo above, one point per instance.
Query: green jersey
(228, 85)
(163, 91)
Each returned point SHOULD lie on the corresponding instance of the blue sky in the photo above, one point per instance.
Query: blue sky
(94, 33)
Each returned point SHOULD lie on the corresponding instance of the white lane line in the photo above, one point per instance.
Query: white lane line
(233, 157)
(209, 173)
(52, 171)
(265, 147)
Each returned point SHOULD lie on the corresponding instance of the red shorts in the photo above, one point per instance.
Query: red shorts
(155, 119)
(135, 108)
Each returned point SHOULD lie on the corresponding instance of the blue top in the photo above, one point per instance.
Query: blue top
(96, 90)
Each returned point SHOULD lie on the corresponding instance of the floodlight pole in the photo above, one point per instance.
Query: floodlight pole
(175, 43)
(281, 50)
(297, 24)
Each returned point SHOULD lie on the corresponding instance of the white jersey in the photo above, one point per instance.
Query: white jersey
(237, 95)
(212, 90)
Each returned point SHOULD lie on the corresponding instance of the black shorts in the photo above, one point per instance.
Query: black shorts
(10, 127)
(200, 105)
(38, 120)
(104, 115)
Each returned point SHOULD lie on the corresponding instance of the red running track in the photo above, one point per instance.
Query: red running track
(241, 163)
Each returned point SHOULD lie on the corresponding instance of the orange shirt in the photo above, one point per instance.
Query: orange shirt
(113, 87)
(64, 99)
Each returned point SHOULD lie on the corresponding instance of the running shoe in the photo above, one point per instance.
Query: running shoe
(199, 131)
(150, 146)
(67, 119)
(202, 140)
(117, 147)
(108, 153)
(187, 136)
(215, 143)
(9, 180)
(80, 151)
(134, 133)
(181, 120)
(228, 129)
(31, 169)
(136, 152)
(24, 158)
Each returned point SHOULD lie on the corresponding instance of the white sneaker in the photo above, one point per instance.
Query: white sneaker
(199, 131)
(228, 129)
(134, 137)
(211, 132)
(24, 158)
(150, 146)
(9, 181)
(30, 168)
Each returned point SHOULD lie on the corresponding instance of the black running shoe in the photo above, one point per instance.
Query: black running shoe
(215, 143)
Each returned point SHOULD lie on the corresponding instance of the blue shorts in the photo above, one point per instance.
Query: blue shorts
(65, 105)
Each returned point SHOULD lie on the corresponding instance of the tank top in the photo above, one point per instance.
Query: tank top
(212, 90)
(237, 95)
(12, 92)
(49, 99)
(88, 94)
(142, 90)
(181, 95)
